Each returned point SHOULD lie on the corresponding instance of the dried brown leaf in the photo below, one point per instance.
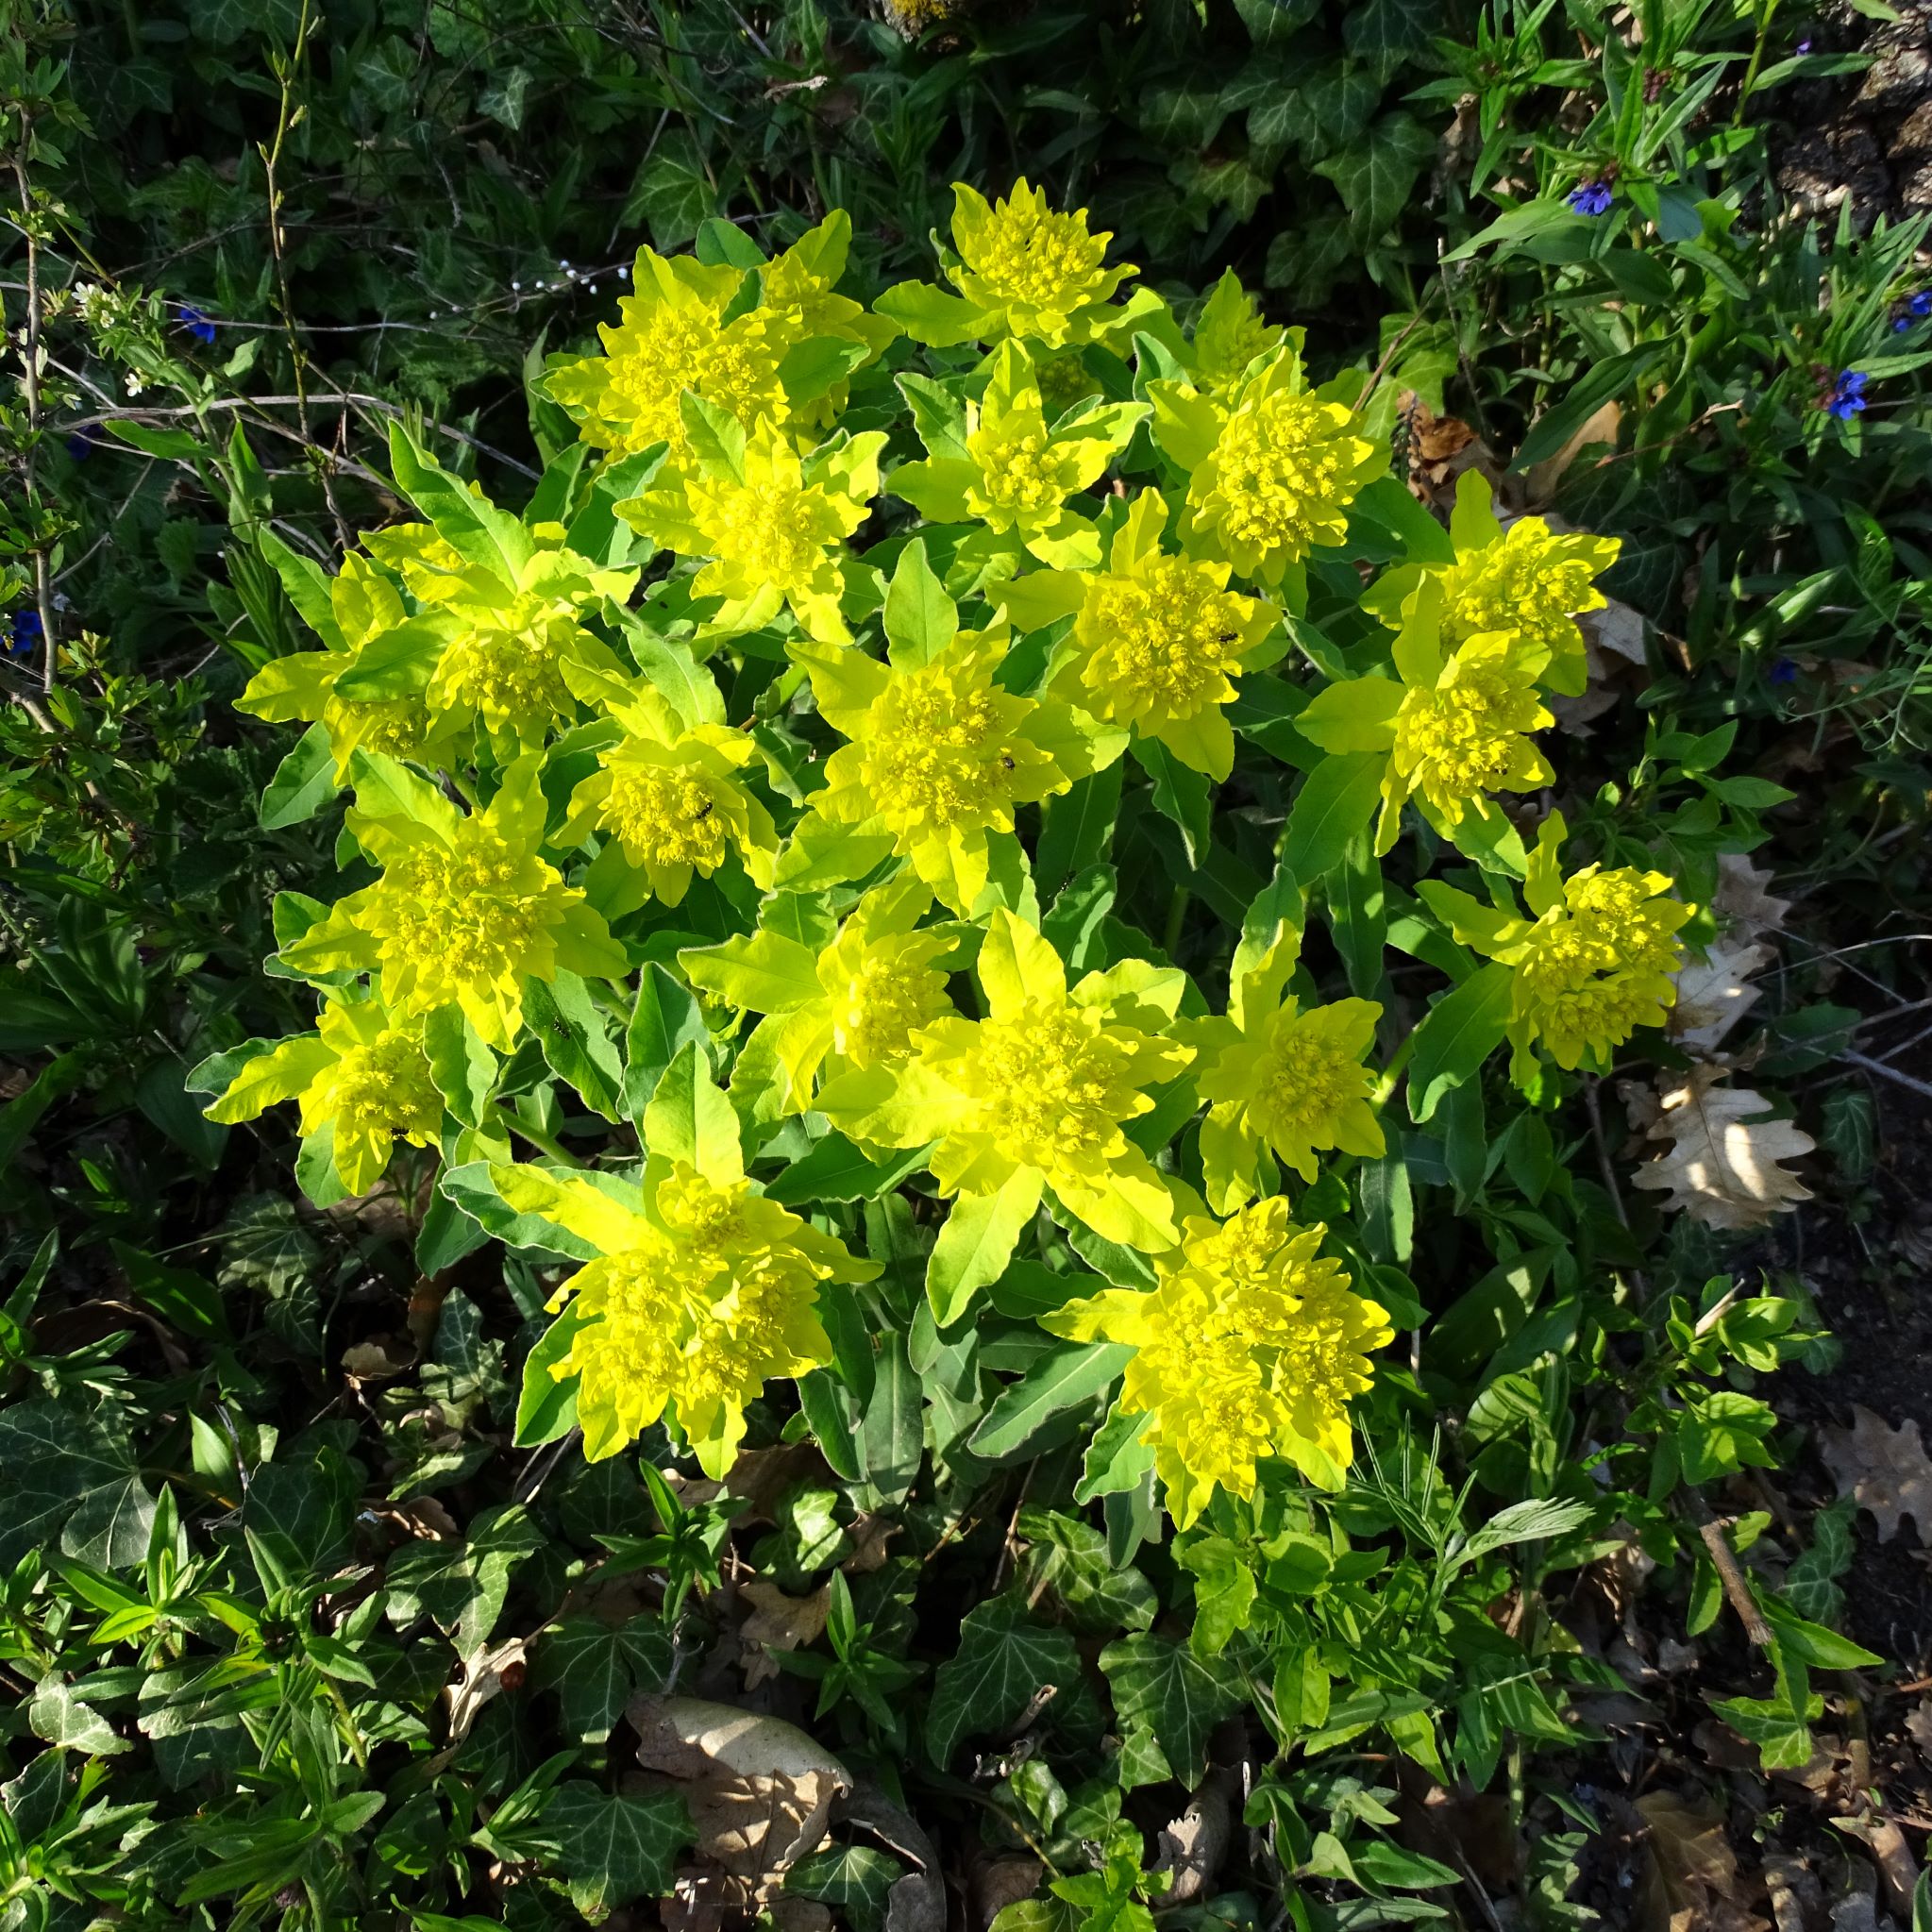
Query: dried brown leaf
(1885, 1469)
(1712, 996)
(1600, 428)
(759, 1790)
(1722, 1165)
(1743, 905)
(778, 1622)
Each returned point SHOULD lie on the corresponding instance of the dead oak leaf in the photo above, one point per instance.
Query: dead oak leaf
(778, 1622)
(1884, 1469)
(1722, 1165)
(1740, 902)
(1712, 996)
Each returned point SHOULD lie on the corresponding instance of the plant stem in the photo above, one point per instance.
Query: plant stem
(43, 597)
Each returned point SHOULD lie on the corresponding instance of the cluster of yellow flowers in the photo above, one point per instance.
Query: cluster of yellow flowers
(544, 769)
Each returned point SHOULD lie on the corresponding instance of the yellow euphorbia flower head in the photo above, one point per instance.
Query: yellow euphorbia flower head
(857, 1002)
(466, 911)
(364, 606)
(1228, 336)
(773, 524)
(362, 1074)
(1032, 270)
(1248, 1345)
(1157, 639)
(940, 754)
(1278, 1078)
(700, 1289)
(1594, 960)
(1528, 583)
(1274, 466)
(1037, 1095)
(1455, 726)
(672, 336)
(504, 625)
(1004, 465)
(668, 796)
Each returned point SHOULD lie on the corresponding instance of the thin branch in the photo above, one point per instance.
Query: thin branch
(43, 593)
(1923, 1088)
(1730, 1574)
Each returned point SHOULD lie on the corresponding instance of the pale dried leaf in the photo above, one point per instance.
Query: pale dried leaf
(1193, 1846)
(870, 1533)
(1919, 1725)
(1599, 428)
(1711, 994)
(1617, 630)
(760, 1790)
(379, 1359)
(778, 1622)
(1884, 1469)
(1743, 907)
(487, 1673)
(1722, 1165)
(1692, 1880)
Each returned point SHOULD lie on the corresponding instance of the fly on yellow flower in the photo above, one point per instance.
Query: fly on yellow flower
(1037, 1095)
(362, 1074)
(364, 607)
(1004, 465)
(672, 336)
(1592, 962)
(940, 754)
(1157, 639)
(773, 525)
(1273, 466)
(701, 1291)
(1528, 583)
(500, 627)
(1250, 1345)
(668, 797)
(1455, 726)
(1277, 1079)
(466, 911)
(856, 1004)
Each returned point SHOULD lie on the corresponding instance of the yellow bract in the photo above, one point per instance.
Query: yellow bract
(1250, 1345)
(700, 1292)
(1034, 271)
(360, 1074)
(1039, 1091)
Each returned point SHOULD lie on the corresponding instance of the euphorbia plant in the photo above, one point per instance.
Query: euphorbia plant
(764, 826)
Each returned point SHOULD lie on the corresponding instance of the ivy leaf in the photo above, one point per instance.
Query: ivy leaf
(1376, 176)
(299, 1513)
(1386, 33)
(671, 193)
(58, 1460)
(1164, 1689)
(1071, 1558)
(460, 1586)
(596, 1668)
(1002, 1665)
(58, 1717)
(855, 1878)
(615, 1848)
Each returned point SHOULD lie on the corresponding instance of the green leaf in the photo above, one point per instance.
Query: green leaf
(1067, 1378)
(596, 1668)
(546, 1405)
(892, 1437)
(975, 1245)
(1077, 828)
(1377, 177)
(298, 1513)
(689, 1119)
(1456, 1035)
(1179, 794)
(303, 783)
(574, 1039)
(855, 1878)
(1002, 1664)
(58, 1717)
(837, 1170)
(1071, 1558)
(613, 1848)
(665, 1020)
(1336, 801)
(1605, 380)
(920, 620)
(672, 193)
(59, 1461)
(460, 1586)
(1164, 1688)
(1812, 1643)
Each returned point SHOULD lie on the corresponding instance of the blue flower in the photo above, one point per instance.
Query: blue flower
(1805, 46)
(1920, 306)
(83, 443)
(1590, 198)
(196, 324)
(1847, 397)
(23, 632)
(1784, 672)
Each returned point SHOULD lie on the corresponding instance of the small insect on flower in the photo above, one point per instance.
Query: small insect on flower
(196, 324)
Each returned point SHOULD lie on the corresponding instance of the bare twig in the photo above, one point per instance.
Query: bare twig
(1730, 1574)
(43, 595)
(1921, 1087)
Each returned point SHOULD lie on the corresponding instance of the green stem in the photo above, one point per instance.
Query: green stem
(536, 1136)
